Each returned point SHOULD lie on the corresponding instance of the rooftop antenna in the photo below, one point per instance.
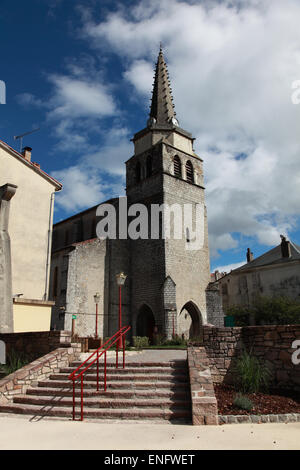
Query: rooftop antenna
(16, 137)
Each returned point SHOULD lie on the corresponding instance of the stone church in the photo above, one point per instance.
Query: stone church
(167, 287)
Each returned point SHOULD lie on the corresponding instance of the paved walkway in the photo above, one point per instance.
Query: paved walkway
(146, 355)
(18, 432)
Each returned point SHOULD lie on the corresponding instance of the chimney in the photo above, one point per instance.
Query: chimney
(26, 152)
(249, 255)
(285, 247)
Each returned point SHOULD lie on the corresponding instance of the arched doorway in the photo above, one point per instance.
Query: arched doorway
(145, 323)
(189, 321)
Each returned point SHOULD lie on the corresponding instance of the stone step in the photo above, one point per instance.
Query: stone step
(100, 402)
(120, 413)
(113, 394)
(130, 370)
(141, 378)
(170, 385)
(170, 364)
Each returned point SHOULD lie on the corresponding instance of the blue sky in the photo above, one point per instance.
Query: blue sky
(82, 71)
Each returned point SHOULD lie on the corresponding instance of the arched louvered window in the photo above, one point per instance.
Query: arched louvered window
(149, 166)
(189, 172)
(138, 172)
(177, 167)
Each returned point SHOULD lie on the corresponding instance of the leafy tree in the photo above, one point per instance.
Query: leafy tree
(267, 311)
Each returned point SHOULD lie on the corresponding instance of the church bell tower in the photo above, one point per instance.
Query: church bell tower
(168, 276)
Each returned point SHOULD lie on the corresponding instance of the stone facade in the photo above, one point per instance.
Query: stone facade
(215, 315)
(30, 232)
(269, 343)
(273, 274)
(154, 261)
(6, 304)
(167, 277)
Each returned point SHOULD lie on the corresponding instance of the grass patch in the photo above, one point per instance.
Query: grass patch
(252, 374)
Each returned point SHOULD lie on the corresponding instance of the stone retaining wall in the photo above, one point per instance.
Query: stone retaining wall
(36, 344)
(270, 343)
(204, 403)
(18, 382)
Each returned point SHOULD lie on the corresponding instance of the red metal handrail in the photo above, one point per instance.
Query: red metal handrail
(118, 338)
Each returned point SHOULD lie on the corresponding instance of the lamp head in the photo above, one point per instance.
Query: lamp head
(121, 278)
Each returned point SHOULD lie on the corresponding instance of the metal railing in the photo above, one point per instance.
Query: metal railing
(78, 374)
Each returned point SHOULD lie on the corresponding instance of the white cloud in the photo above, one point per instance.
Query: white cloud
(229, 267)
(75, 98)
(140, 75)
(97, 175)
(28, 99)
(80, 189)
(76, 105)
(115, 150)
(232, 66)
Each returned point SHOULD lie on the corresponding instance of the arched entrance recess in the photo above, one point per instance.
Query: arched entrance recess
(145, 323)
(189, 320)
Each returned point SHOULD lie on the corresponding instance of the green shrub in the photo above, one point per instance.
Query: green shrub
(159, 339)
(15, 360)
(251, 374)
(240, 315)
(175, 341)
(195, 340)
(243, 403)
(140, 342)
(267, 311)
(114, 346)
(277, 311)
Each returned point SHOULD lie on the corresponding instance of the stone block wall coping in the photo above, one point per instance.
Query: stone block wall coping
(259, 419)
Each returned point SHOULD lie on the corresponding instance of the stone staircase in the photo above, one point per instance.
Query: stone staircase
(142, 391)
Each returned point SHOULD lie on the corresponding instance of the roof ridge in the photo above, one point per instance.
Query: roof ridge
(30, 164)
(295, 247)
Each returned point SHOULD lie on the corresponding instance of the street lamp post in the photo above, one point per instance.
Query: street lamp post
(121, 278)
(97, 300)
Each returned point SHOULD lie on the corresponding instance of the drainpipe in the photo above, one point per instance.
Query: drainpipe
(50, 230)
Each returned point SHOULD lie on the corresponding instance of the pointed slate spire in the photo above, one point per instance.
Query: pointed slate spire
(162, 108)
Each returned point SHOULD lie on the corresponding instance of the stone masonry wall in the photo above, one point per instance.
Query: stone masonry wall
(215, 314)
(86, 276)
(204, 403)
(36, 344)
(270, 343)
(18, 382)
